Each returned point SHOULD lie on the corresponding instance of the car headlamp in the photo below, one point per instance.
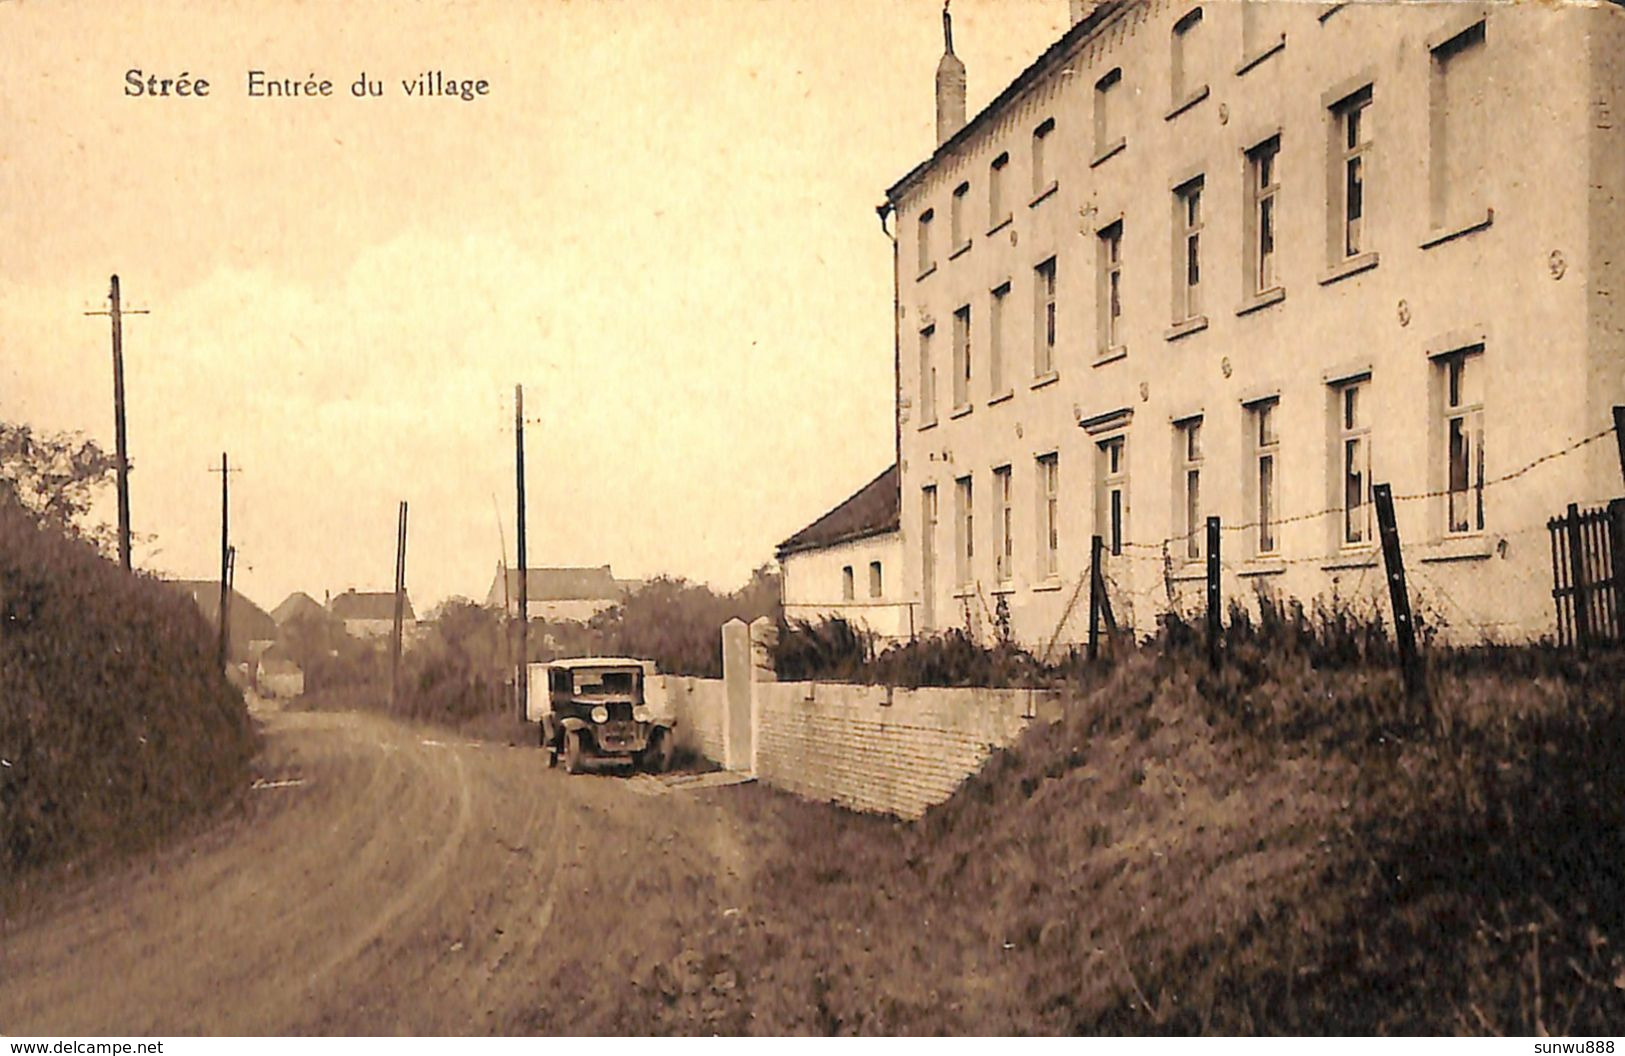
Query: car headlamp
(642, 713)
(600, 714)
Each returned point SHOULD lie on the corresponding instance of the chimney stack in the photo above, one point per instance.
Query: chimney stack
(950, 84)
(1082, 9)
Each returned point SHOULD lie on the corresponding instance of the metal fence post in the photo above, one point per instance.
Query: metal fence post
(1215, 621)
(1096, 546)
(1410, 664)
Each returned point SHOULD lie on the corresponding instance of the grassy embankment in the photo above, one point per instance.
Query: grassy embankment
(1285, 846)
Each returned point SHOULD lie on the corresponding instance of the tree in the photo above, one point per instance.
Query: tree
(56, 478)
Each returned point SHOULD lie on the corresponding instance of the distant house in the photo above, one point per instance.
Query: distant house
(276, 674)
(252, 629)
(371, 614)
(296, 605)
(848, 563)
(558, 594)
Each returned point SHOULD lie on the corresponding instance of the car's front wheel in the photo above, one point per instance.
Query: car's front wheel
(574, 751)
(657, 757)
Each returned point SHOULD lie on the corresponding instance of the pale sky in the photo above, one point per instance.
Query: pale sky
(660, 221)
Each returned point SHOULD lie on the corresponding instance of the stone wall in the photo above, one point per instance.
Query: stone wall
(891, 751)
(870, 748)
(697, 704)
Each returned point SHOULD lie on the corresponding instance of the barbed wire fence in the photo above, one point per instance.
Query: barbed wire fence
(1146, 577)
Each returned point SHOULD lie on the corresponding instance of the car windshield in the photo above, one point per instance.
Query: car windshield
(605, 683)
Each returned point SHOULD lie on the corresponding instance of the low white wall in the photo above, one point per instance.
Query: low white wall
(897, 751)
(870, 748)
(697, 704)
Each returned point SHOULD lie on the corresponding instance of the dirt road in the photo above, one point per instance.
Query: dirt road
(385, 878)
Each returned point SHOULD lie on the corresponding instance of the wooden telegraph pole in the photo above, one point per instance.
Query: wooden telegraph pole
(522, 679)
(225, 472)
(400, 606)
(121, 453)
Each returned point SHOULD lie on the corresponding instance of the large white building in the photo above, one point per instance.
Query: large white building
(1245, 260)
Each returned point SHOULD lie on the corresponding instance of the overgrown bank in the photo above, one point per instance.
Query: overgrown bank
(1286, 846)
(116, 725)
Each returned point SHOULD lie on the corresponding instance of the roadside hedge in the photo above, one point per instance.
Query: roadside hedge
(116, 725)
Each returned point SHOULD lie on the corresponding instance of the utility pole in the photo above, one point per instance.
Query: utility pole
(400, 603)
(116, 312)
(523, 677)
(225, 472)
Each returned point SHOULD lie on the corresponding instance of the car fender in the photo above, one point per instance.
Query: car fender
(574, 724)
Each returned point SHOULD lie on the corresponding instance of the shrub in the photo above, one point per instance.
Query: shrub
(115, 723)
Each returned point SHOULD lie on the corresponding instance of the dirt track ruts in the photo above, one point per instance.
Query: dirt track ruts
(411, 881)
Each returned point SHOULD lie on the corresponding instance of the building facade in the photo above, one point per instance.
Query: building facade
(848, 564)
(558, 595)
(371, 614)
(1248, 260)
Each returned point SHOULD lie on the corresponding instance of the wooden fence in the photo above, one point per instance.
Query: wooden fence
(1588, 574)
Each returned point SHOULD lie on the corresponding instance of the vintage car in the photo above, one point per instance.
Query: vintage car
(594, 707)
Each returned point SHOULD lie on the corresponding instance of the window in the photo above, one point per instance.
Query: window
(1042, 180)
(1463, 421)
(1351, 146)
(965, 530)
(1049, 516)
(1458, 114)
(1263, 189)
(1111, 497)
(923, 238)
(928, 555)
(995, 340)
(962, 359)
(1187, 65)
(875, 584)
(998, 210)
(1266, 457)
(1354, 461)
(956, 217)
(1006, 524)
(1188, 251)
(1110, 294)
(847, 590)
(1188, 435)
(1044, 319)
(1260, 30)
(1109, 124)
(928, 379)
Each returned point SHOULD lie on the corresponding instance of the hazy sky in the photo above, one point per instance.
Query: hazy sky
(660, 221)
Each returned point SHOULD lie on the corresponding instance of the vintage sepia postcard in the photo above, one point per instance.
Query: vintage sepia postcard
(811, 517)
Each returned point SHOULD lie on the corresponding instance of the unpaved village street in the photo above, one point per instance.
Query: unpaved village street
(388, 878)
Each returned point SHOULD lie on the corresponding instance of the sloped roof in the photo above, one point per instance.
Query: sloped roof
(370, 605)
(559, 584)
(874, 509)
(296, 604)
(248, 621)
